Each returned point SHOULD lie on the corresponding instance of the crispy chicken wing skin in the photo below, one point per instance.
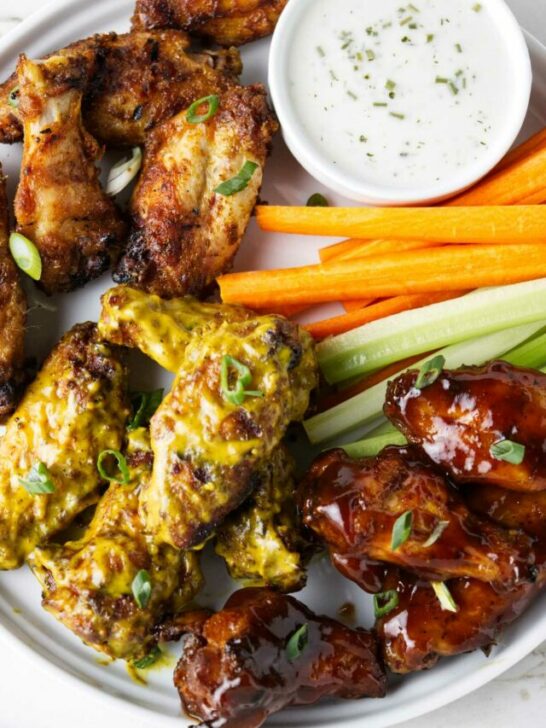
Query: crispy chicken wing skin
(238, 666)
(261, 542)
(463, 413)
(139, 80)
(226, 22)
(353, 505)
(59, 204)
(87, 584)
(75, 408)
(12, 316)
(209, 447)
(184, 233)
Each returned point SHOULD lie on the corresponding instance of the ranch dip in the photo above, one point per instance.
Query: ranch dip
(401, 94)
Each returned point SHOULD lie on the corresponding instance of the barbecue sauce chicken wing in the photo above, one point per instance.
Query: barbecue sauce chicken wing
(510, 508)
(60, 205)
(88, 584)
(459, 418)
(138, 81)
(185, 229)
(12, 316)
(265, 651)
(75, 409)
(357, 506)
(226, 22)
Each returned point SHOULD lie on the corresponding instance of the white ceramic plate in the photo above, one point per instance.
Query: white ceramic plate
(55, 648)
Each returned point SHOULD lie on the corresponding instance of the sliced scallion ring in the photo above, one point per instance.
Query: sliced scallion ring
(317, 200)
(401, 530)
(508, 451)
(385, 602)
(124, 172)
(144, 407)
(238, 393)
(123, 468)
(297, 643)
(142, 588)
(148, 660)
(239, 182)
(26, 255)
(212, 102)
(444, 596)
(38, 481)
(436, 534)
(429, 372)
(13, 97)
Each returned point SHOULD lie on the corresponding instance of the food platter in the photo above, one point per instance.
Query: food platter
(55, 648)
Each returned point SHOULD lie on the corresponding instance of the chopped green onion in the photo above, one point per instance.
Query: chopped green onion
(508, 451)
(370, 55)
(212, 102)
(458, 47)
(13, 97)
(430, 37)
(390, 85)
(150, 659)
(453, 88)
(142, 588)
(372, 446)
(429, 372)
(384, 603)
(124, 172)
(317, 200)
(239, 182)
(444, 596)
(38, 481)
(320, 51)
(477, 7)
(26, 255)
(144, 407)
(121, 463)
(441, 79)
(436, 534)
(406, 20)
(397, 115)
(380, 103)
(401, 530)
(297, 643)
(244, 379)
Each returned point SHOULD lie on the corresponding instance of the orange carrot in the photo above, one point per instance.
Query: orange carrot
(447, 268)
(498, 224)
(357, 305)
(339, 324)
(281, 310)
(350, 249)
(526, 149)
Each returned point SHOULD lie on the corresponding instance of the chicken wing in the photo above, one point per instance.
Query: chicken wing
(261, 542)
(59, 204)
(238, 388)
(396, 508)
(185, 229)
(510, 508)
(265, 651)
(75, 408)
(88, 584)
(12, 316)
(139, 80)
(226, 22)
(459, 419)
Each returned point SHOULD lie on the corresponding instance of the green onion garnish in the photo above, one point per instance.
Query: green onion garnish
(406, 20)
(244, 379)
(508, 451)
(26, 255)
(124, 476)
(380, 103)
(38, 481)
(390, 85)
(142, 588)
(430, 37)
(144, 406)
(401, 530)
(317, 200)
(444, 596)
(370, 55)
(436, 533)
(124, 172)
(385, 602)
(453, 88)
(397, 115)
(441, 79)
(320, 51)
(13, 97)
(150, 659)
(477, 7)
(212, 103)
(458, 47)
(429, 372)
(239, 182)
(297, 643)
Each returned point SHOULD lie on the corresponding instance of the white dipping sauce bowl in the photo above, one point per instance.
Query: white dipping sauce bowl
(314, 160)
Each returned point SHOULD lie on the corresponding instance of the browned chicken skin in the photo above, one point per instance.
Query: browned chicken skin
(463, 413)
(226, 22)
(509, 508)
(59, 204)
(184, 232)
(353, 506)
(12, 316)
(243, 664)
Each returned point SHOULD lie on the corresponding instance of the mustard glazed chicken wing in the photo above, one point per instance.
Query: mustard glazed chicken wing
(226, 22)
(479, 424)
(92, 585)
(197, 189)
(60, 205)
(12, 316)
(265, 651)
(75, 408)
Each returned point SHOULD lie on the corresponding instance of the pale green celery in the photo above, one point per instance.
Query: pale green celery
(372, 446)
(384, 429)
(380, 343)
(368, 406)
(531, 354)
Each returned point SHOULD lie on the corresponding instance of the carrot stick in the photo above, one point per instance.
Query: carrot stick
(447, 268)
(499, 224)
(339, 324)
(531, 146)
(357, 305)
(350, 249)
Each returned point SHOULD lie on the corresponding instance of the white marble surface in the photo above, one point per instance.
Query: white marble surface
(31, 699)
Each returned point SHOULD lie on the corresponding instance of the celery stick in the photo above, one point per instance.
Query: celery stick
(368, 406)
(380, 343)
(373, 445)
(530, 354)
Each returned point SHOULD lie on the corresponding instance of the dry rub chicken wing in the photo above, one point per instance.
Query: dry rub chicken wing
(184, 232)
(87, 584)
(226, 22)
(75, 408)
(60, 204)
(464, 413)
(265, 651)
